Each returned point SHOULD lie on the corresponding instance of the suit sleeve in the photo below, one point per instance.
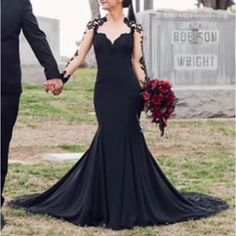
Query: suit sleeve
(38, 42)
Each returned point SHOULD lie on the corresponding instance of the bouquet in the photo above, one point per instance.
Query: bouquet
(159, 101)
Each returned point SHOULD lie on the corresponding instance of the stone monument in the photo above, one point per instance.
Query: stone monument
(194, 50)
(32, 72)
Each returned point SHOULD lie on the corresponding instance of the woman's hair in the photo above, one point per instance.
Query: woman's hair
(131, 14)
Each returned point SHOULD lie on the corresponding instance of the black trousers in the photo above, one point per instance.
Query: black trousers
(9, 111)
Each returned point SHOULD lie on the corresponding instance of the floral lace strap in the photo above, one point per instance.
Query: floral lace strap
(136, 27)
(92, 24)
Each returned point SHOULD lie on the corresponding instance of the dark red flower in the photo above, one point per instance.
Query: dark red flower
(159, 101)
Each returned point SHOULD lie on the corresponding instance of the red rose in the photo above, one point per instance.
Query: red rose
(159, 101)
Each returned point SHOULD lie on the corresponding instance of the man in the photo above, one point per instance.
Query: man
(17, 15)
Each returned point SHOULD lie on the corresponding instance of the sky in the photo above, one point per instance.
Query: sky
(74, 15)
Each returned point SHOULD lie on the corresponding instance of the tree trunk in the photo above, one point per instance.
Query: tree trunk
(222, 4)
(94, 7)
(209, 3)
(215, 4)
(148, 4)
(137, 3)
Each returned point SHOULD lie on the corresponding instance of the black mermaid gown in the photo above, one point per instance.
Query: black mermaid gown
(117, 183)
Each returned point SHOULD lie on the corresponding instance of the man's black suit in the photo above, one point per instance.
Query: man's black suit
(17, 15)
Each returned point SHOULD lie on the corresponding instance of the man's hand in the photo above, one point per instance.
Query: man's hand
(54, 85)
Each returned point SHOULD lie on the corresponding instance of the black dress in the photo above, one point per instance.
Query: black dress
(117, 183)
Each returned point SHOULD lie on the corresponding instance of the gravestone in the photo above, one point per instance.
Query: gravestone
(194, 50)
(32, 72)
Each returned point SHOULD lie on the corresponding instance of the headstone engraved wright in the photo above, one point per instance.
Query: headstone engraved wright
(194, 50)
(195, 37)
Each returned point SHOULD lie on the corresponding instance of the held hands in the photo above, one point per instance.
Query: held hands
(54, 85)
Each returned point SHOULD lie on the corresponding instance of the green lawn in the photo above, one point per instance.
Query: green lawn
(73, 105)
(196, 155)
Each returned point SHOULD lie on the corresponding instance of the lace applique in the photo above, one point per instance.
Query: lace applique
(133, 25)
(62, 75)
(138, 28)
(142, 62)
(92, 24)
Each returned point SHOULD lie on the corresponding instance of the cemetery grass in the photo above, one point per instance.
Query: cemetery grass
(196, 155)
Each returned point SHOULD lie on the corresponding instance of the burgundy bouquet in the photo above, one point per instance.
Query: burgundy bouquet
(159, 101)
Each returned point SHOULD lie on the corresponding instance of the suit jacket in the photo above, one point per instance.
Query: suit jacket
(17, 15)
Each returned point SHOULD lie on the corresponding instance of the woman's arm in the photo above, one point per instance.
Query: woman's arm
(80, 53)
(138, 56)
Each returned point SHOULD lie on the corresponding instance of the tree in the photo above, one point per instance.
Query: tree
(94, 7)
(148, 4)
(209, 3)
(222, 4)
(215, 4)
(137, 4)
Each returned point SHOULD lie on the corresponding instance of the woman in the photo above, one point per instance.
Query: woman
(117, 182)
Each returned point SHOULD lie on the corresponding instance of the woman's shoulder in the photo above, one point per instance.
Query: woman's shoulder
(95, 23)
(134, 25)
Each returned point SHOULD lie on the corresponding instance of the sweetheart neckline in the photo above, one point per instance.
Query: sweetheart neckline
(113, 42)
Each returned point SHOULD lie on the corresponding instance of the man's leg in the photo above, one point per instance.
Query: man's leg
(9, 111)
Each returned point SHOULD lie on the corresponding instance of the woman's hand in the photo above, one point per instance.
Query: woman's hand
(57, 92)
(54, 85)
